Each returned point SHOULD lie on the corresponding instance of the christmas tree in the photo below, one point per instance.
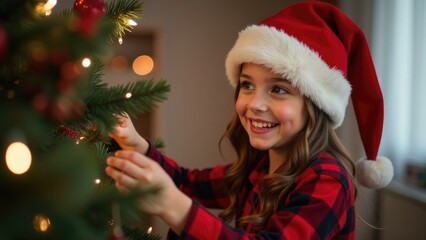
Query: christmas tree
(55, 115)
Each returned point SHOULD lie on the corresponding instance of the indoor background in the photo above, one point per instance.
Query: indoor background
(188, 41)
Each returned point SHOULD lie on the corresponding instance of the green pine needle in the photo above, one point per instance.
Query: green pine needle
(96, 73)
(104, 101)
(120, 13)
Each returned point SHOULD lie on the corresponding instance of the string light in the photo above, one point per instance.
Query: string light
(50, 4)
(149, 230)
(78, 141)
(132, 23)
(18, 157)
(128, 95)
(120, 40)
(86, 62)
(41, 223)
(46, 8)
(97, 181)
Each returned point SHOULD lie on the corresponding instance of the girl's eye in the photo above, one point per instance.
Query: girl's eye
(247, 85)
(279, 90)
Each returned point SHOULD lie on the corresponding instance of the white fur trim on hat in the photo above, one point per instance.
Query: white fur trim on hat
(294, 61)
(374, 173)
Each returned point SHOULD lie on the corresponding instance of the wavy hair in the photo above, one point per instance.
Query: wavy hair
(318, 135)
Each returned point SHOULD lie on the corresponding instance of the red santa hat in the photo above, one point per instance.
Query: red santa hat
(326, 56)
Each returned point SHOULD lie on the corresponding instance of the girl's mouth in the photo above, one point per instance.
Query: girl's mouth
(263, 125)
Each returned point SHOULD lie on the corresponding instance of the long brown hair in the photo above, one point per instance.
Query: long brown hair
(316, 136)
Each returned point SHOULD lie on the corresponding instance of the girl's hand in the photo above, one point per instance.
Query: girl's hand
(127, 137)
(130, 169)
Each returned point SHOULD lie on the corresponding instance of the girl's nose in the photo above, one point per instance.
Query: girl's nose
(258, 103)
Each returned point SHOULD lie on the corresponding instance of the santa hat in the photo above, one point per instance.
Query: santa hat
(323, 54)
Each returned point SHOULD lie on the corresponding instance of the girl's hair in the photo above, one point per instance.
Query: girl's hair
(316, 136)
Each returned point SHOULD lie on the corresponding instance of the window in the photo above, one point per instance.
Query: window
(399, 52)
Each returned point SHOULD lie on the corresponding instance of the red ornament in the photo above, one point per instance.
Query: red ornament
(89, 11)
(3, 43)
(92, 9)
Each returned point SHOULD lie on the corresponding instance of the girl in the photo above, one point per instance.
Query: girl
(292, 178)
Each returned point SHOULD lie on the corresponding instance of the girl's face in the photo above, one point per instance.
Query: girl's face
(271, 110)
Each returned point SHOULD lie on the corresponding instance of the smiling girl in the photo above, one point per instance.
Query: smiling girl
(292, 178)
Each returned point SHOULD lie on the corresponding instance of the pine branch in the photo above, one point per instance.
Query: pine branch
(43, 89)
(138, 233)
(105, 102)
(95, 75)
(120, 12)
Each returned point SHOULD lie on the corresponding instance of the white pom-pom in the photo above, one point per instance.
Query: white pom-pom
(374, 173)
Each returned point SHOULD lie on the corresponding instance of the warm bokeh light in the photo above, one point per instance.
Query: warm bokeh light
(143, 65)
(86, 62)
(41, 223)
(39, 52)
(149, 230)
(10, 94)
(119, 64)
(128, 95)
(97, 181)
(18, 158)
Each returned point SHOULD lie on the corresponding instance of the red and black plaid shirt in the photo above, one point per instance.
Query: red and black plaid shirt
(320, 206)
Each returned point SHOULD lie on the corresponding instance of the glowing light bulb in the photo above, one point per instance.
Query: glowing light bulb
(50, 4)
(97, 181)
(86, 62)
(149, 230)
(120, 40)
(41, 223)
(18, 157)
(128, 95)
(132, 23)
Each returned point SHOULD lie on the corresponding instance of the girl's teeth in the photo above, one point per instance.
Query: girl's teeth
(262, 125)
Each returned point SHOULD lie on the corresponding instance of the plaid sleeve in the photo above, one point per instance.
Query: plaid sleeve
(321, 206)
(205, 186)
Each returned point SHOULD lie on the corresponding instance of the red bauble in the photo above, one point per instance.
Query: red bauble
(3, 43)
(90, 9)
